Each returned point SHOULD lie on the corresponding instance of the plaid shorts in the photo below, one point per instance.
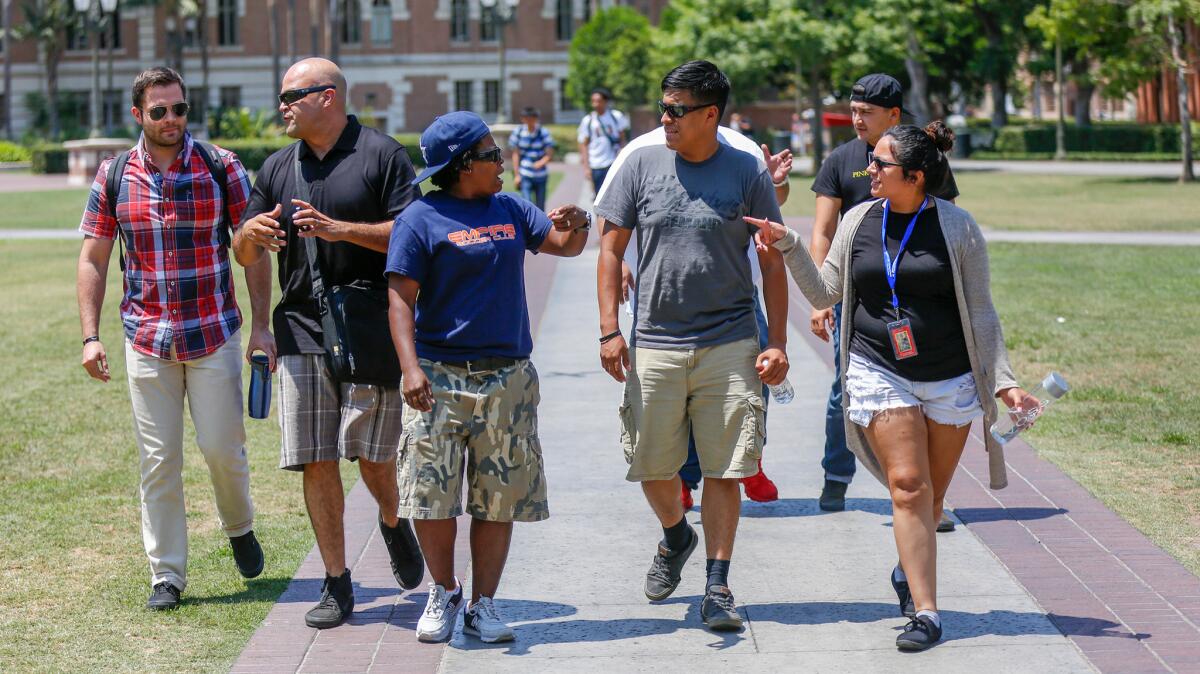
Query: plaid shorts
(324, 421)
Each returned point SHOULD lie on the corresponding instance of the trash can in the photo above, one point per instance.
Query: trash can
(962, 144)
(780, 141)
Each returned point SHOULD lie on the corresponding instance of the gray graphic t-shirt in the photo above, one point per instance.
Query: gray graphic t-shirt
(694, 287)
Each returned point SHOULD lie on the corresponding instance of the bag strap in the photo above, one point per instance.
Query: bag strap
(112, 191)
(310, 243)
(218, 172)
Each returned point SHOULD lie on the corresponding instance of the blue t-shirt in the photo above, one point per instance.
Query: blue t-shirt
(469, 258)
(532, 145)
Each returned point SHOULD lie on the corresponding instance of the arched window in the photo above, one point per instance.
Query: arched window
(381, 22)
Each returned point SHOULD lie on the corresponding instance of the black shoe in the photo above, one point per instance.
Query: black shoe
(163, 597)
(907, 608)
(833, 496)
(663, 576)
(719, 612)
(247, 554)
(919, 634)
(337, 603)
(408, 566)
(945, 524)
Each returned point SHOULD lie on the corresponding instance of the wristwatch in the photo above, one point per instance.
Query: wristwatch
(90, 339)
(588, 215)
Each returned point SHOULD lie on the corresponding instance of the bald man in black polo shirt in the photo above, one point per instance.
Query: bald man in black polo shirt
(358, 181)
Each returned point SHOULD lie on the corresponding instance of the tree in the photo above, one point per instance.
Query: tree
(46, 21)
(613, 51)
(1002, 23)
(1157, 24)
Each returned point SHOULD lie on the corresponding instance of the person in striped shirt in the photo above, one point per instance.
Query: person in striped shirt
(532, 147)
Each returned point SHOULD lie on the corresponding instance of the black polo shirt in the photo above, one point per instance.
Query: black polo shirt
(366, 177)
(844, 176)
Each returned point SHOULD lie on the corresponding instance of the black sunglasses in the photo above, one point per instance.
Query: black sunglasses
(159, 111)
(677, 110)
(880, 163)
(492, 154)
(292, 95)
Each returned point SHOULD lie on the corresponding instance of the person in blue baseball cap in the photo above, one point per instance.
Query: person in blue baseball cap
(460, 325)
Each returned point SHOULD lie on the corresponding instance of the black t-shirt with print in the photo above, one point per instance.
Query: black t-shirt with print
(844, 176)
(925, 287)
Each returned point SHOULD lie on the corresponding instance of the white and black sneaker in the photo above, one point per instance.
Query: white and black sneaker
(482, 620)
(441, 610)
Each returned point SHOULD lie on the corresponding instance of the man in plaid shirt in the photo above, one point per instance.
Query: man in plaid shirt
(181, 320)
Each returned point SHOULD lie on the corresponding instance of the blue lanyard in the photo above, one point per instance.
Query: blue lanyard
(890, 265)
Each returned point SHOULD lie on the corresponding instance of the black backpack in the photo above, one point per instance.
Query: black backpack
(116, 171)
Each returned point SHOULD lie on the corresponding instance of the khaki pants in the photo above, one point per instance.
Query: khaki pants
(213, 387)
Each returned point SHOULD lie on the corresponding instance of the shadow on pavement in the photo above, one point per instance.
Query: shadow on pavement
(805, 507)
(973, 515)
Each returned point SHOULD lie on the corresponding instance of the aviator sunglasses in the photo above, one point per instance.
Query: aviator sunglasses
(159, 111)
(292, 95)
(677, 110)
(880, 163)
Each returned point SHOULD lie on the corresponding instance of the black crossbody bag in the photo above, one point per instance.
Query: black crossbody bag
(354, 320)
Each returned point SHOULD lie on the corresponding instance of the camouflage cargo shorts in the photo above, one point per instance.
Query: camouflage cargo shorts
(486, 423)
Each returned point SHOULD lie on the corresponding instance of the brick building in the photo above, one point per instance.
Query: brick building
(407, 61)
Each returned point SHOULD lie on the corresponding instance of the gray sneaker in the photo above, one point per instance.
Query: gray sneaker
(719, 612)
(663, 576)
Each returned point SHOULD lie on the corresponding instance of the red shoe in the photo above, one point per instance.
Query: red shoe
(759, 487)
(686, 496)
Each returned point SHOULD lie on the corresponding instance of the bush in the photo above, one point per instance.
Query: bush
(253, 152)
(244, 123)
(13, 152)
(412, 145)
(1107, 138)
(48, 158)
(1076, 156)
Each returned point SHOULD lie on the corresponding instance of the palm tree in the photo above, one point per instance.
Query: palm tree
(46, 21)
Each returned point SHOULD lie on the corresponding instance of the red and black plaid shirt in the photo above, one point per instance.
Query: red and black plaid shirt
(178, 282)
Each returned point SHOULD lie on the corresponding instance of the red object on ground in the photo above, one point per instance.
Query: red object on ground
(686, 496)
(760, 488)
(829, 119)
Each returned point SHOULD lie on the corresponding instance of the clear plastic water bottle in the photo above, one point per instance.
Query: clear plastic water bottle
(782, 392)
(1009, 425)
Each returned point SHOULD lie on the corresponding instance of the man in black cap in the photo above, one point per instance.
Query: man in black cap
(842, 184)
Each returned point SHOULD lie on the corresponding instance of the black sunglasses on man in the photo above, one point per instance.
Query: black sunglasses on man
(292, 95)
(677, 110)
(159, 111)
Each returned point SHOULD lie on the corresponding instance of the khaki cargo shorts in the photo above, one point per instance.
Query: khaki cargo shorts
(714, 392)
(483, 423)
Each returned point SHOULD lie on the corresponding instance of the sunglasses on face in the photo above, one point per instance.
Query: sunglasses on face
(492, 154)
(677, 110)
(292, 95)
(159, 111)
(880, 163)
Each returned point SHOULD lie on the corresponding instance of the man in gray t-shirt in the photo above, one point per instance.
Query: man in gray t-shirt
(696, 364)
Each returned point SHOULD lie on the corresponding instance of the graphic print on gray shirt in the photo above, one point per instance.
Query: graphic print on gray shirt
(694, 288)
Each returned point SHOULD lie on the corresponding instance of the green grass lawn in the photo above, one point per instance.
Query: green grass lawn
(1129, 431)
(52, 209)
(62, 209)
(1060, 203)
(73, 575)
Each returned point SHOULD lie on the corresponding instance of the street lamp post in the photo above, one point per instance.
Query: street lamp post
(504, 13)
(94, 11)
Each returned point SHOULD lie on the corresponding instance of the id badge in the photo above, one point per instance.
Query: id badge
(903, 344)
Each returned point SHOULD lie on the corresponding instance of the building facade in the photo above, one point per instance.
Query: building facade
(407, 61)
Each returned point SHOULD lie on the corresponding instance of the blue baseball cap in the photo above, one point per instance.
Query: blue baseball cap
(449, 136)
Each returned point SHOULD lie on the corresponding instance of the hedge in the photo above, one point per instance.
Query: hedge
(253, 151)
(1108, 138)
(13, 152)
(48, 158)
(1076, 156)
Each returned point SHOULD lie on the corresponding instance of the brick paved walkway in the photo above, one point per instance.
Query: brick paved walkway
(1042, 577)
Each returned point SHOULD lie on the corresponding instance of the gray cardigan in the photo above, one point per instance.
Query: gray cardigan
(980, 324)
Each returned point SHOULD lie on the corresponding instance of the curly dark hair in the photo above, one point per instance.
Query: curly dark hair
(448, 176)
(924, 150)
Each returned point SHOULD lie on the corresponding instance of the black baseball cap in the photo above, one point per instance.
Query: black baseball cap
(878, 89)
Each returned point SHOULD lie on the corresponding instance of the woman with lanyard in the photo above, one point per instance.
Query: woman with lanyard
(460, 326)
(923, 354)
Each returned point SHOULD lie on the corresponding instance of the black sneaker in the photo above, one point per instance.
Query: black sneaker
(919, 634)
(907, 608)
(408, 566)
(833, 496)
(337, 603)
(163, 597)
(719, 612)
(945, 524)
(663, 576)
(247, 554)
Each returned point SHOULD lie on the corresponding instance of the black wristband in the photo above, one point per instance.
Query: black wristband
(89, 340)
(612, 335)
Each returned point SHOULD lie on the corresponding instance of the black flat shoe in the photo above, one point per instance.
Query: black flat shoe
(907, 608)
(919, 634)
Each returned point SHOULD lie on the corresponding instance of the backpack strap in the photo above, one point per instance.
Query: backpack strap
(112, 190)
(216, 169)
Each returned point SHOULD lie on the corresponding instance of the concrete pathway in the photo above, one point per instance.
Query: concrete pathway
(1041, 577)
(803, 224)
(1131, 169)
